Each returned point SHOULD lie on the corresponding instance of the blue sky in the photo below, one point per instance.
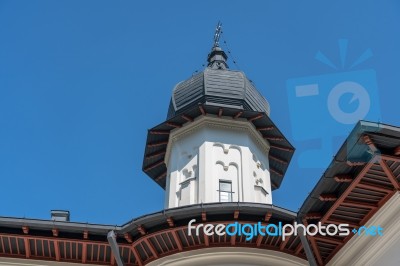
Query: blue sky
(82, 81)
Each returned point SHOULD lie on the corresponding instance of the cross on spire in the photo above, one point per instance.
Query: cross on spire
(217, 57)
(218, 32)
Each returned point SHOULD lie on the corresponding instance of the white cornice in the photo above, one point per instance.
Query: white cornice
(4, 261)
(216, 122)
(225, 256)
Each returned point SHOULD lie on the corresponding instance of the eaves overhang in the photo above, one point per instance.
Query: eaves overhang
(362, 177)
(280, 153)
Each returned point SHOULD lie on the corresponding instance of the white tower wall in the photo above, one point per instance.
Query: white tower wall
(217, 159)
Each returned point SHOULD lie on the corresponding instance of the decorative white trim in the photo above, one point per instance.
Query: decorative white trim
(262, 189)
(366, 250)
(187, 180)
(228, 256)
(216, 122)
(27, 262)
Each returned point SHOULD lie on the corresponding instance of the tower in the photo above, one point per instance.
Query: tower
(218, 143)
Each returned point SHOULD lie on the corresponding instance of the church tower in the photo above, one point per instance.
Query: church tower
(218, 143)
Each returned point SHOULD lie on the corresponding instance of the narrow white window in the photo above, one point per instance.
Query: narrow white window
(225, 191)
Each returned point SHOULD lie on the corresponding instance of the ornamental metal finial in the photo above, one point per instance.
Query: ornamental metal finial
(218, 31)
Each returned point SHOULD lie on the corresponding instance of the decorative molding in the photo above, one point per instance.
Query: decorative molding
(226, 167)
(216, 122)
(187, 173)
(262, 189)
(187, 180)
(259, 181)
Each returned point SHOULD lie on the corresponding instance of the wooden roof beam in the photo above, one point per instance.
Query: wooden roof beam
(170, 222)
(206, 240)
(155, 144)
(177, 240)
(282, 148)
(370, 144)
(298, 248)
(373, 187)
(27, 246)
(128, 238)
(159, 132)
(84, 252)
(151, 248)
(313, 215)
(396, 151)
(274, 138)
(327, 197)
(187, 118)
(275, 171)
(238, 115)
(155, 154)
(141, 230)
(348, 190)
(25, 229)
(355, 163)
(352, 203)
(161, 176)
(259, 240)
(255, 117)
(154, 165)
(338, 222)
(137, 256)
(203, 216)
(329, 240)
(233, 240)
(284, 242)
(389, 174)
(265, 128)
(390, 158)
(55, 232)
(268, 216)
(203, 112)
(57, 250)
(343, 178)
(175, 125)
(277, 159)
(220, 111)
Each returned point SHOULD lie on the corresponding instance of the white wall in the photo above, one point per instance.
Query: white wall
(230, 256)
(210, 149)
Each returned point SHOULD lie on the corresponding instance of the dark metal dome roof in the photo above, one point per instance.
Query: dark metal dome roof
(217, 86)
(220, 92)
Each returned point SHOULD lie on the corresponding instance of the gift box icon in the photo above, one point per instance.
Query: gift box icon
(327, 106)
